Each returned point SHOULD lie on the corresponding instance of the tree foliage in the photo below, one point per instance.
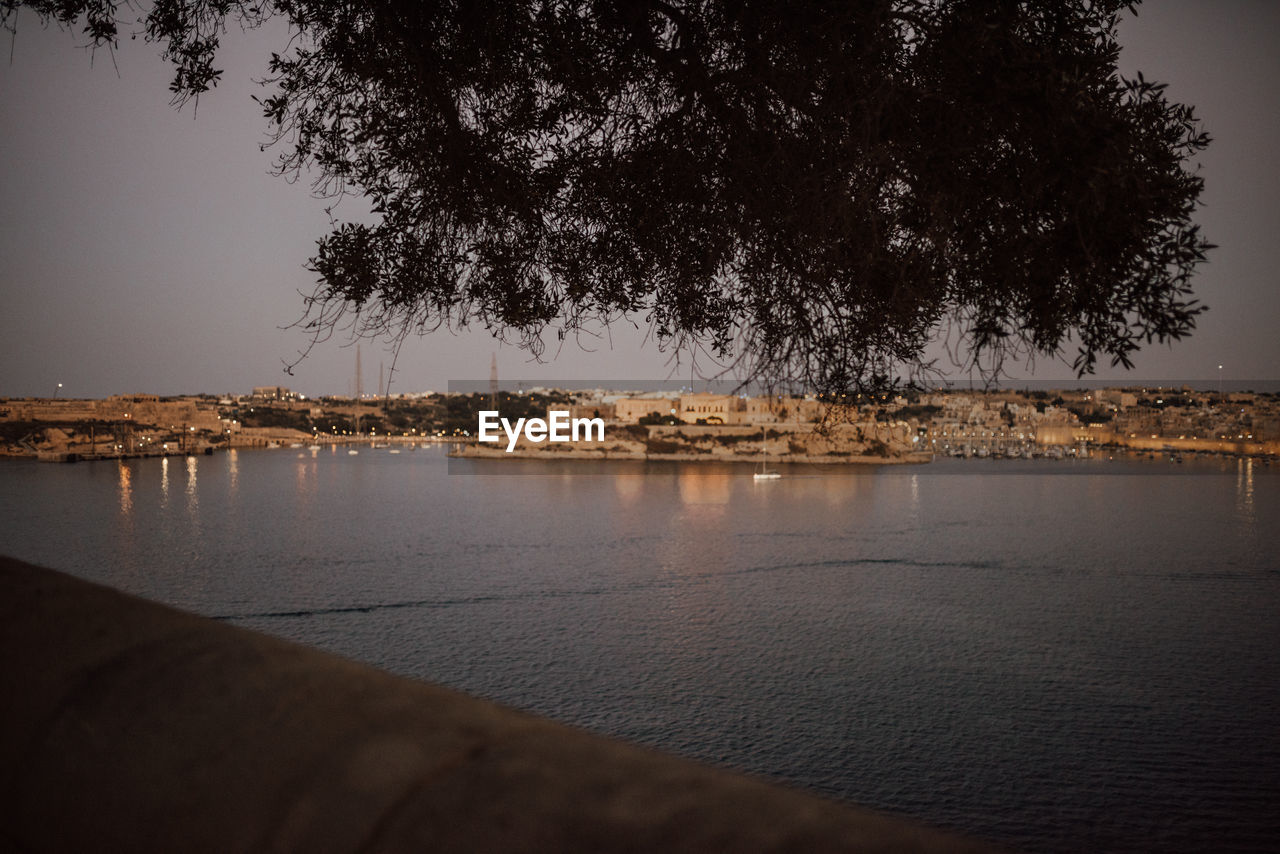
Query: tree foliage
(816, 189)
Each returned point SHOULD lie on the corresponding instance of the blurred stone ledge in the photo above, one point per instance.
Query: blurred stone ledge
(130, 726)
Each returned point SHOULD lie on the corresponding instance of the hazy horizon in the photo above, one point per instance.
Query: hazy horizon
(149, 250)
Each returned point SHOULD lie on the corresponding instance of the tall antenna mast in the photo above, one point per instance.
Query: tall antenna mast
(493, 382)
(359, 379)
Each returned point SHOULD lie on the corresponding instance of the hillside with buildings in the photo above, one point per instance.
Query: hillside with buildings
(909, 425)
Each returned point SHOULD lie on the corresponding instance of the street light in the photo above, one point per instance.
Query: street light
(1219, 380)
(56, 390)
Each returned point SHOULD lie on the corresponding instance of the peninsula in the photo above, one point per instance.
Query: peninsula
(902, 427)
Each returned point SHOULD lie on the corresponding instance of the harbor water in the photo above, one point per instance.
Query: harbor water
(1055, 655)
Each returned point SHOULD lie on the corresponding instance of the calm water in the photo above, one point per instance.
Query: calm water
(1060, 656)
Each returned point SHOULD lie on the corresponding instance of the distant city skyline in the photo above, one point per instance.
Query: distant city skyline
(146, 249)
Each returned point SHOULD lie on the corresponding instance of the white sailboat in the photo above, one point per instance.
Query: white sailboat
(764, 472)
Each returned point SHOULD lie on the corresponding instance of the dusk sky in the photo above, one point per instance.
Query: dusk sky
(147, 249)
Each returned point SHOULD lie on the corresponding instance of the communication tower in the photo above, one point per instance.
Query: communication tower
(493, 382)
(359, 379)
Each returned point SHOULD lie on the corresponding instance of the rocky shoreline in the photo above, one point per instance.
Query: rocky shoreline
(617, 453)
(477, 452)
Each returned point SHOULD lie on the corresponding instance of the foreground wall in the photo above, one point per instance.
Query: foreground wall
(127, 726)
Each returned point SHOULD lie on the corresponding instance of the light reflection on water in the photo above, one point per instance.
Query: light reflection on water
(1244, 488)
(164, 482)
(126, 488)
(700, 488)
(1079, 660)
(193, 497)
(305, 483)
(233, 471)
